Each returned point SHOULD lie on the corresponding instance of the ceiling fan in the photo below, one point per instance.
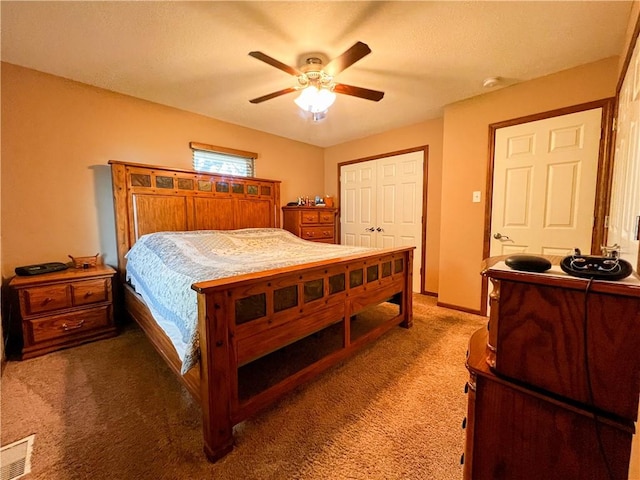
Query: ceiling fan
(315, 74)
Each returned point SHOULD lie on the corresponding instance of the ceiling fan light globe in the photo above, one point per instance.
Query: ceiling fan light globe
(315, 100)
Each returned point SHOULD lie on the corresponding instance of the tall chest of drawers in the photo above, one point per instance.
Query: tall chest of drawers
(317, 224)
(62, 309)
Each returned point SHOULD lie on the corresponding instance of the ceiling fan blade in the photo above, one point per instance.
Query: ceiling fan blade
(273, 95)
(348, 58)
(275, 63)
(365, 93)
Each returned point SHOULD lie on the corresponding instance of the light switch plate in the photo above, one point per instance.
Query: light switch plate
(476, 197)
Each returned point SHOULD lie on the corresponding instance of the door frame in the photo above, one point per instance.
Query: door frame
(623, 75)
(425, 156)
(603, 182)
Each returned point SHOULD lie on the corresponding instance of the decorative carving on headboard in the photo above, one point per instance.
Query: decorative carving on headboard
(155, 198)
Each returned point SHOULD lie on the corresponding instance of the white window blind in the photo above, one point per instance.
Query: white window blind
(212, 159)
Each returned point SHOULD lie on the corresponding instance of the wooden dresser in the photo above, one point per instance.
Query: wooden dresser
(62, 309)
(553, 394)
(317, 224)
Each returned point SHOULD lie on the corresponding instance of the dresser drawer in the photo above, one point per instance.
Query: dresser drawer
(317, 233)
(326, 217)
(309, 217)
(90, 291)
(59, 326)
(46, 298)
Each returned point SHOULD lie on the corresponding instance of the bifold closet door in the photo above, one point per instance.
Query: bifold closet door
(382, 203)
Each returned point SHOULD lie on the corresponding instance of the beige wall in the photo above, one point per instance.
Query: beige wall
(628, 38)
(57, 137)
(465, 160)
(426, 133)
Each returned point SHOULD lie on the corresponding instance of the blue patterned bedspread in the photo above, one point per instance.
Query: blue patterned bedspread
(163, 266)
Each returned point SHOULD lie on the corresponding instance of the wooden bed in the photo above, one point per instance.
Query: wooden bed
(244, 318)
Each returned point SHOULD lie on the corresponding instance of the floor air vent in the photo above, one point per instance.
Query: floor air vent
(15, 459)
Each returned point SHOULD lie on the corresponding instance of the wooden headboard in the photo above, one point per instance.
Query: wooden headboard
(149, 198)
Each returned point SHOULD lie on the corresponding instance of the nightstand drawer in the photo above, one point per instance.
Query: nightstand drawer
(309, 217)
(46, 298)
(70, 324)
(317, 233)
(90, 291)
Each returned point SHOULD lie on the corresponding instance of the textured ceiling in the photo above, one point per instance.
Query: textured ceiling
(194, 55)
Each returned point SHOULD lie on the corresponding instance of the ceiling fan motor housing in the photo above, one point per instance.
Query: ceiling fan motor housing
(313, 74)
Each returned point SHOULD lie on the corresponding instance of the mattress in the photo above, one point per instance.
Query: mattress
(163, 266)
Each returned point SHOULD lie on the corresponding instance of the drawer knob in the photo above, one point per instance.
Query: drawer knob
(47, 300)
(88, 294)
(66, 327)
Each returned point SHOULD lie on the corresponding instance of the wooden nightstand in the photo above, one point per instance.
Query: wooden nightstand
(317, 224)
(63, 309)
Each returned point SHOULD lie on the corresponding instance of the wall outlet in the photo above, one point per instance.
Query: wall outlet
(476, 197)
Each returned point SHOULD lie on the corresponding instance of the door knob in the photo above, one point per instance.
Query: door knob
(370, 229)
(379, 229)
(499, 236)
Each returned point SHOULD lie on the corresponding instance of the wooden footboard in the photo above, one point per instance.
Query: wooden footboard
(252, 315)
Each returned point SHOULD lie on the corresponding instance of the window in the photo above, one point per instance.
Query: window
(214, 159)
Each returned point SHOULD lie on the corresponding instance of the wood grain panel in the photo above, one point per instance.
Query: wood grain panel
(253, 213)
(58, 326)
(529, 437)
(518, 432)
(540, 341)
(45, 299)
(213, 214)
(159, 213)
(91, 291)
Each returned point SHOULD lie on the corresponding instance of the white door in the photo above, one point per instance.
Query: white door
(624, 211)
(544, 185)
(381, 205)
(358, 204)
